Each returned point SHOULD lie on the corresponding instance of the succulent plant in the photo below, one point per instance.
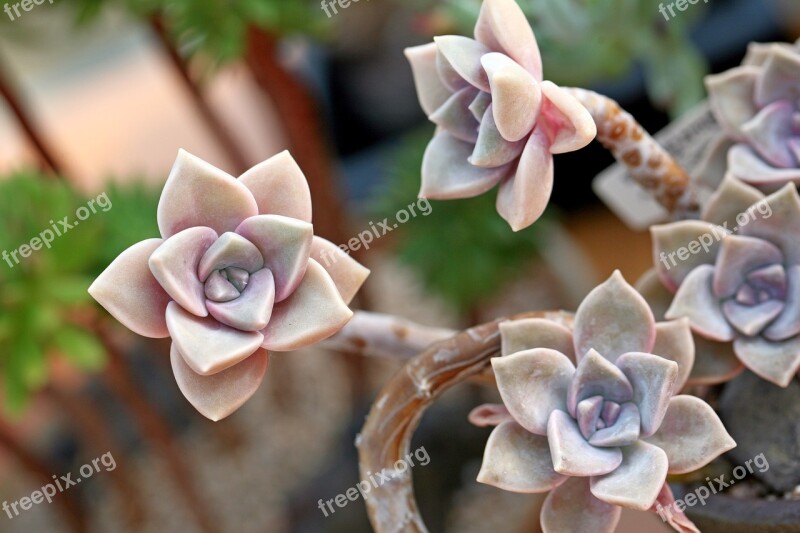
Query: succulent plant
(233, 275)
(758, 106)
(498, 121)
(591, 414)
(737, 278)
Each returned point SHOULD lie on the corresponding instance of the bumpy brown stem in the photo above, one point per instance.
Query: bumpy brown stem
(649, 164)
(386, 436)
(379, 335)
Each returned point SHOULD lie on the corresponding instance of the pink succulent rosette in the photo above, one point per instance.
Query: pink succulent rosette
(758, 106)
(741, 291)
(591, 414)
(232, 275)
(498, 121)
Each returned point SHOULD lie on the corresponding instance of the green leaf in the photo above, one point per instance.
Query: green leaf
(83, 349)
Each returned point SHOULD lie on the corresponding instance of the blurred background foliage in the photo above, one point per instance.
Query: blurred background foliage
(45, 294)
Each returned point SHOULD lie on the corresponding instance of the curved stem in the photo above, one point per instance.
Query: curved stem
(649, 164)
(386, 436)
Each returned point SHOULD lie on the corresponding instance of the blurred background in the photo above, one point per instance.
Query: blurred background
(97, 96)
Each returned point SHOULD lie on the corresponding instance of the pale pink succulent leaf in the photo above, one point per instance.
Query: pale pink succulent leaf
(279, 187)
(739, 255)
(731, 95)
(653, 379)
(199, 194)
(516, 96)
(597, 376)
(588, 413)
(715, 362)
(769, 132)
(503, 27)
(447, 173)
(731, 198)
(787, 325)
(252, 309)
(464, 55)
(128, 290)
(455, 117)
(518, 460)
(651, 288)
(572, 507)
(691, 434)
(219, 289)
(523, 197)
(671, 255)
(674, 341)
(218, 396)
(347, 273)
(696, 301)
(636, 483)
(750, 319)
(285, 245)
(775, 361)
(491, 149)
(568, 123)
(614, 319)
(480, 105)
(207, 345)
(745, 164)
(529, 333)
(623, 432)
(778, 81)
(449, 76)
(673, 516)
(230, 250)
(713, 166)
(572, 455)
(313, 312)
(490, 414)
(532, 384)
(174, 264)
(781, 224)
(431, 91)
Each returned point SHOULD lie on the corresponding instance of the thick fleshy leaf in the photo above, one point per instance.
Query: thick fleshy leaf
(174, 265)
(455, 117)
(219, 289)
(672, 255)
(518, 461)
(775, 361)
(587, 415)
(313, 312)
(480, 105)
(731, 198)
(674, 341)
(713, 166)
(572, 455)
(532, 384)
(529, 333)
(746, 165)
(787, 324)
(669, 513)
(638, 480)
(491, 149)
(503, 27)
(692, 435)
(347, 273)
(251, 310)
(449, 76)
(208, 346)
(750, 319)
(614, 319)
(231, 249)
(696, 301)
(715, 362)
(568, 124)
(654, 292)
(572, 507)
(447, 173)
(129, 291)
(431, 91)
(491, 414)
(279, 187)
(623, 432)
(653, 379)
(220, 395)
(778, 221)
(516, 96)
(778, 79)
(757, 53)
(597, 376)
(523, 197)
(199, 194)
(738, 256)
(732, 95)
(770, 130)
(285, 245)
(464, 55)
